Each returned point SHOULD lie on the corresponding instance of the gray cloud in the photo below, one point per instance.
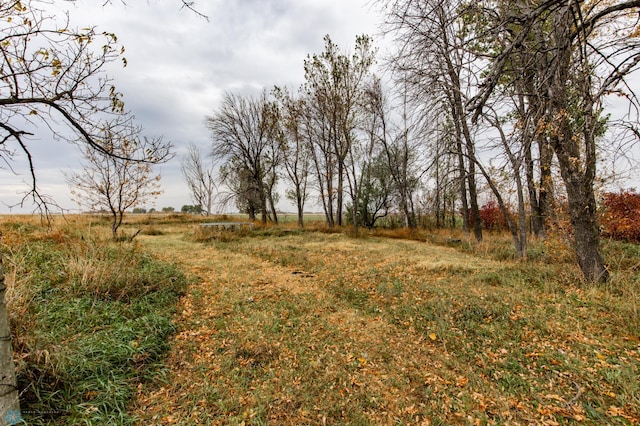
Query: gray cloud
(180, 65)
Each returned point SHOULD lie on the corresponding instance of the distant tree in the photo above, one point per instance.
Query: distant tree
(295, 147)
(191, 209)
(200, 179)
(375, 193)
(334, 83)
(139, 210)
(168, 210)
(435, 64)
(115, 183)
(398, 153)
(242, 189)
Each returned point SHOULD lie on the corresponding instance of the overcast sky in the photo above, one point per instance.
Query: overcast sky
(180, 65)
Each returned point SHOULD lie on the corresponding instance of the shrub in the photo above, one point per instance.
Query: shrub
(620, 218)
(492, 217)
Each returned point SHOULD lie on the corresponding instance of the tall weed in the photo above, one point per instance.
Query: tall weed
(91, 320)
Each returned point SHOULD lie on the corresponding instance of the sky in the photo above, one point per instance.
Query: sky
(179, 65)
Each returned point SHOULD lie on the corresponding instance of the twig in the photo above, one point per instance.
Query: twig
(575, 398)
(135, 235)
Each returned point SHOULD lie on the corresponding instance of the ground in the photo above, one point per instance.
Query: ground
(315, 328)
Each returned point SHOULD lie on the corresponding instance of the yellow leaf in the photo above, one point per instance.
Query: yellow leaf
(433, 336)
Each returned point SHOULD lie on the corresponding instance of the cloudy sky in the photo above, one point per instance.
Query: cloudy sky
(180, 65)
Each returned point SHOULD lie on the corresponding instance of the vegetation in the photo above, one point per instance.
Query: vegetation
(113, 181)
(621, 215)
(91, 320)
(291, 326)
(506, 98)
(323, 325)
(200, 180)
(53, 77)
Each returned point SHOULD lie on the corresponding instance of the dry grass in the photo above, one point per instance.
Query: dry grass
(284, 326)
(316, 328)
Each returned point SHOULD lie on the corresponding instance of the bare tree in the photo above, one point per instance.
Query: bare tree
(52, 76)
(116, 183)
(589, 49)
(200, 179)
(294, 146)
(242, 133)
(435, 65)
(396, 148)
(515, 155)
(334, 86)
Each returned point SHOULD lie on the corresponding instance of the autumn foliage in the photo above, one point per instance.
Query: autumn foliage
(492, 217)
(620, 218)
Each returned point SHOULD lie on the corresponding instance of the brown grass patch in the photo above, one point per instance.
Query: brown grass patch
(319, 328)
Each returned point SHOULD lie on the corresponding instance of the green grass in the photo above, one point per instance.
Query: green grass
(91, 321)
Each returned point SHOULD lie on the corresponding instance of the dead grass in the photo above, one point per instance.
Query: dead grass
(316, 328)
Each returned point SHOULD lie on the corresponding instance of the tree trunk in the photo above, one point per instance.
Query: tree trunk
(576, 157)
(9, 396)
(264, 211)
(471, 177)
(462, 182)
(300, 205)
(582, 206)
(340, 195)
(459, 113)
(540, 193)
(118, 217)
(272, 204)
(534, 200)
(582, 212)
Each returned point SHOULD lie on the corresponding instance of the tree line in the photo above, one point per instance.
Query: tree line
(505, 97)
(333, 138)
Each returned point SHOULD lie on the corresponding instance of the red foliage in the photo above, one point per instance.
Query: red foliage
(620, 218)
(492, 217)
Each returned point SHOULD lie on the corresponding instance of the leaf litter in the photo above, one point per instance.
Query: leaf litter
(325, 329)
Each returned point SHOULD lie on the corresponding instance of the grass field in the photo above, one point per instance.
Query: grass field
(282, 326)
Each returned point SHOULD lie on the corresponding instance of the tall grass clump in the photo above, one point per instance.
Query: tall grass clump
(91, 321)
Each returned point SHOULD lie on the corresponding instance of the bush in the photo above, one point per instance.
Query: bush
(620, 217)
(492, 217)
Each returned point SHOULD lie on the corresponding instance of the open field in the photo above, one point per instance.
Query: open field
(281, 326)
